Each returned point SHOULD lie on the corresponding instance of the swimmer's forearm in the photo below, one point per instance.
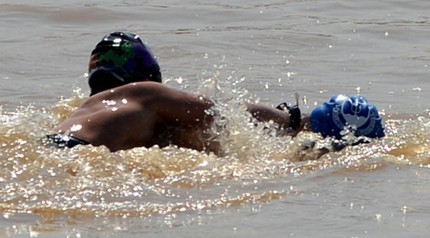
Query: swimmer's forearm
(265, 114)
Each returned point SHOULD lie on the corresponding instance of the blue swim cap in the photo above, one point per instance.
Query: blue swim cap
(347, 113)
(121, 58)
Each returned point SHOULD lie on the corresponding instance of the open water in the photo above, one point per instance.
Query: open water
(231, 51)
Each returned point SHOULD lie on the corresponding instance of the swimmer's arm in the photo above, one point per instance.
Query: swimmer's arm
(265, 113)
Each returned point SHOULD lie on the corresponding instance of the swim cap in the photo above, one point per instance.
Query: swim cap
(121, 58)
(342, 113)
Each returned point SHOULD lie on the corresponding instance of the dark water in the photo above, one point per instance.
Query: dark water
(230, 51)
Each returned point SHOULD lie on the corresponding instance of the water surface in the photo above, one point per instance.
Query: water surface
(231, 51)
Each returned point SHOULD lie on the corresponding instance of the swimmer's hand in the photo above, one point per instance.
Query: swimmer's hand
(294, 111)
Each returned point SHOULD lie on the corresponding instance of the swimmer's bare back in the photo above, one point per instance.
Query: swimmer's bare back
(136, 114)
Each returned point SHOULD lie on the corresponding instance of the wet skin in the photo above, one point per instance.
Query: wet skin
(149, 113)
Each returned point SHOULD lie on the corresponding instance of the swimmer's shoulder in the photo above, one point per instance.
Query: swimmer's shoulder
(137, 93)
(148, 88)
(129, 90)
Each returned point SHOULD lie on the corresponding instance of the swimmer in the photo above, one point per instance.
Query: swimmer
(129, 107)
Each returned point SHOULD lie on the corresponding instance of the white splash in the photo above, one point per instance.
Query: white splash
(109, 102)
(76, 127)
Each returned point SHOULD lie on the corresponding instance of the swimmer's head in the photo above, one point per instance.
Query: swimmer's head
(343, 114)
(121, 58)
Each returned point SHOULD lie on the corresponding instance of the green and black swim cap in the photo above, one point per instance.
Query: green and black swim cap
(121, 58)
